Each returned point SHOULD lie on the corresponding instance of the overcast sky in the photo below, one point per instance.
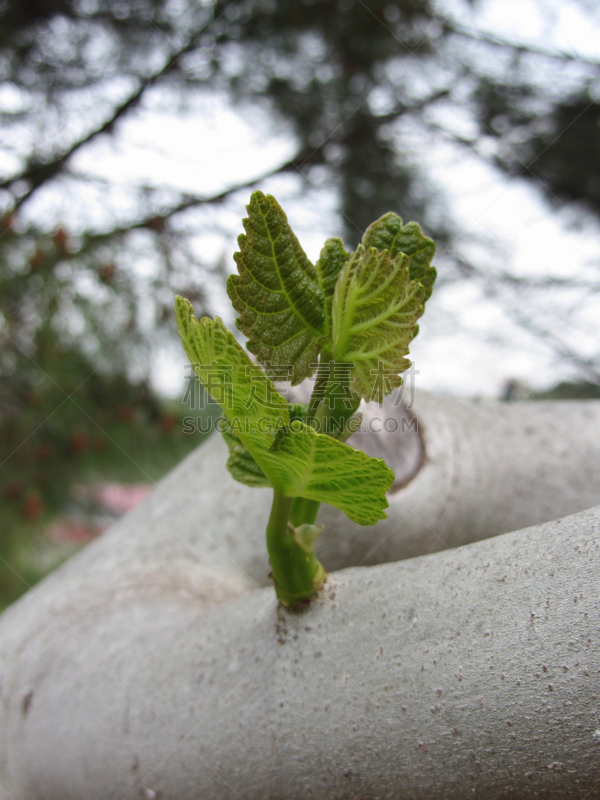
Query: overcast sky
(468, 343)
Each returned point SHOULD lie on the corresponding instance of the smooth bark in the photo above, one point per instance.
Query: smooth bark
(157, 663)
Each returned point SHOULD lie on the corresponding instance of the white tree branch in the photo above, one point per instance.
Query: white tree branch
(156, 663)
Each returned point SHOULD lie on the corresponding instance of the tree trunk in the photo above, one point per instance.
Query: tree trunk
(156, 663)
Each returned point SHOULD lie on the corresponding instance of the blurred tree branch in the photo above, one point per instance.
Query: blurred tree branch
(36, 174)
(525, 49)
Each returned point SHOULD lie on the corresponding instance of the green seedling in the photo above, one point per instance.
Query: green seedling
(348, 321)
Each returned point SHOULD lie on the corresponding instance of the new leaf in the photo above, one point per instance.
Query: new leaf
(241, 464)
(277, 293)
(297, 461)
(249, 400)
(308, 464)
(375, 311)
(388, 233)
(332, 258)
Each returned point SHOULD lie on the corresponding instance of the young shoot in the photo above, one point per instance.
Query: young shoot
(348, 321)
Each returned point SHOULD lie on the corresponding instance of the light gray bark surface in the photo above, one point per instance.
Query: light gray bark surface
(487, 468)
(152, 665)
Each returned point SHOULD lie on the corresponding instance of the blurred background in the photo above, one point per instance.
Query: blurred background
(132, 134)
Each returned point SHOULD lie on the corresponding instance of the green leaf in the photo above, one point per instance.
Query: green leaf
(277, 293)
(375, 311)
(241, 464)
(248, 398)
(304, 463)
(388, 233)
(293, 457)
(332, 258)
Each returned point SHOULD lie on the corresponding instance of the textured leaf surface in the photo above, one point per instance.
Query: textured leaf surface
(375, 311)
(304, 463)
(388, 233)
(331, 261)
(248, 398)
(291, 456)
(241, 464)
(277, 293)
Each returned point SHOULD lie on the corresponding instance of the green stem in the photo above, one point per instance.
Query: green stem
(297, 574)
(304, 511)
